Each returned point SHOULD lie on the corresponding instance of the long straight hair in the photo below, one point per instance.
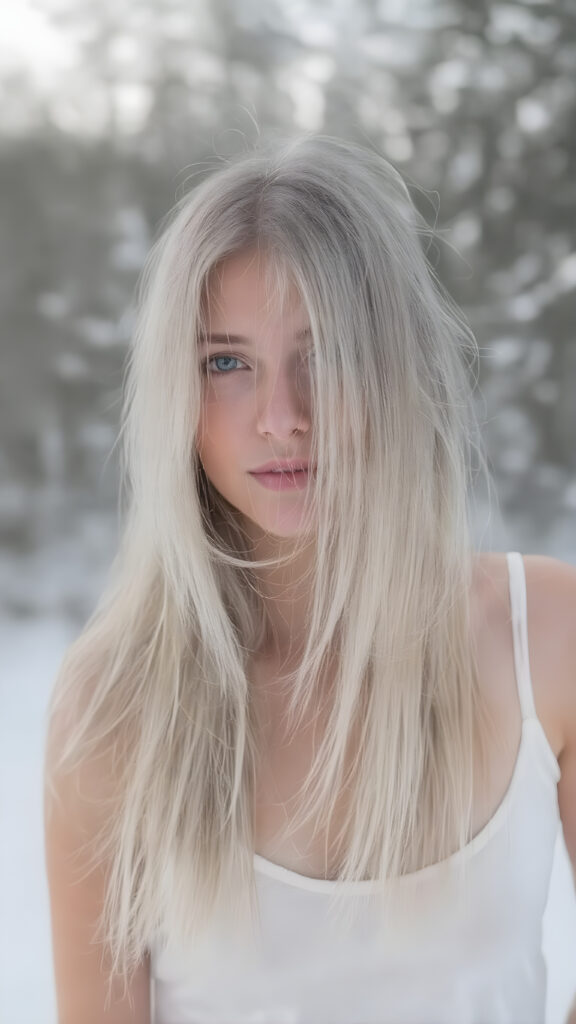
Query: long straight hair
(157, 684)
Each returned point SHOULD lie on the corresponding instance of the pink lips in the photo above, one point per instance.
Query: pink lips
(284, 465)
(292, 480)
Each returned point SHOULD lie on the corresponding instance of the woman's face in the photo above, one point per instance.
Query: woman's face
(256, 393)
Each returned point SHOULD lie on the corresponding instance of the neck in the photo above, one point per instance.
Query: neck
(285, 591)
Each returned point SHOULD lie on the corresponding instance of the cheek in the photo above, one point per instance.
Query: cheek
(218, 438)
(209, 426)
(225, 427)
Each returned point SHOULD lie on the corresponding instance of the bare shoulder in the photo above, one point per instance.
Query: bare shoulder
(551, 614)
(551, 622)
(551, 629)
(553, 586)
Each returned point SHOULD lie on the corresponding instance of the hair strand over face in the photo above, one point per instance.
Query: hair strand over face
(158, 681)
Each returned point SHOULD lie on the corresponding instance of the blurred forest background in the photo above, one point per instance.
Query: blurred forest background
(109, 110)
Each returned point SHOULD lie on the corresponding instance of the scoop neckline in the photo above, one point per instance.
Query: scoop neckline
(328, 885)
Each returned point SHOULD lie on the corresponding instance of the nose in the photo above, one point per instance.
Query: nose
(283, 404)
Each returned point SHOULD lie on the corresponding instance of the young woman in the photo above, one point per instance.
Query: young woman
(307, 760)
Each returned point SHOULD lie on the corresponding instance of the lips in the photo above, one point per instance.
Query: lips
(284, 480)
(282, 466)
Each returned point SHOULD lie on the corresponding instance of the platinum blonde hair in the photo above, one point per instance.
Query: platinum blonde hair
(156, 688)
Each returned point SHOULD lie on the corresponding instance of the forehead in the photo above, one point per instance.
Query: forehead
(249, 284)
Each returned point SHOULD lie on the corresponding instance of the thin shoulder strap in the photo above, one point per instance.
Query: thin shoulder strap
(517, 582)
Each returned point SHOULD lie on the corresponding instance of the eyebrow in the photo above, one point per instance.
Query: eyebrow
(241, 339)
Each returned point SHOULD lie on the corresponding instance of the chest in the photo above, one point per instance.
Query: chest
(284, 762)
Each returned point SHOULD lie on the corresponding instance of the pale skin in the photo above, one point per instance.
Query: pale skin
(257, 412)
(256, 407)
(245, 426)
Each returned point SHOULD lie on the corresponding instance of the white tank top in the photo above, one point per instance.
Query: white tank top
(476, 959)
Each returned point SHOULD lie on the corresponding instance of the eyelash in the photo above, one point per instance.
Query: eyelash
(225, 355)
(218, 373)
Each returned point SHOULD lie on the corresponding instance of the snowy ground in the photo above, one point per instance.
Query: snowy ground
(31, 652)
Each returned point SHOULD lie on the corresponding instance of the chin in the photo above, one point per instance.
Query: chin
(281, 530)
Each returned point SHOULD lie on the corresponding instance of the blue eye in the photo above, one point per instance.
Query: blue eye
(218, 373)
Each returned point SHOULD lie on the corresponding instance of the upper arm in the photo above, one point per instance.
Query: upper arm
(551, 587)
(567, 759)
(76, 898)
